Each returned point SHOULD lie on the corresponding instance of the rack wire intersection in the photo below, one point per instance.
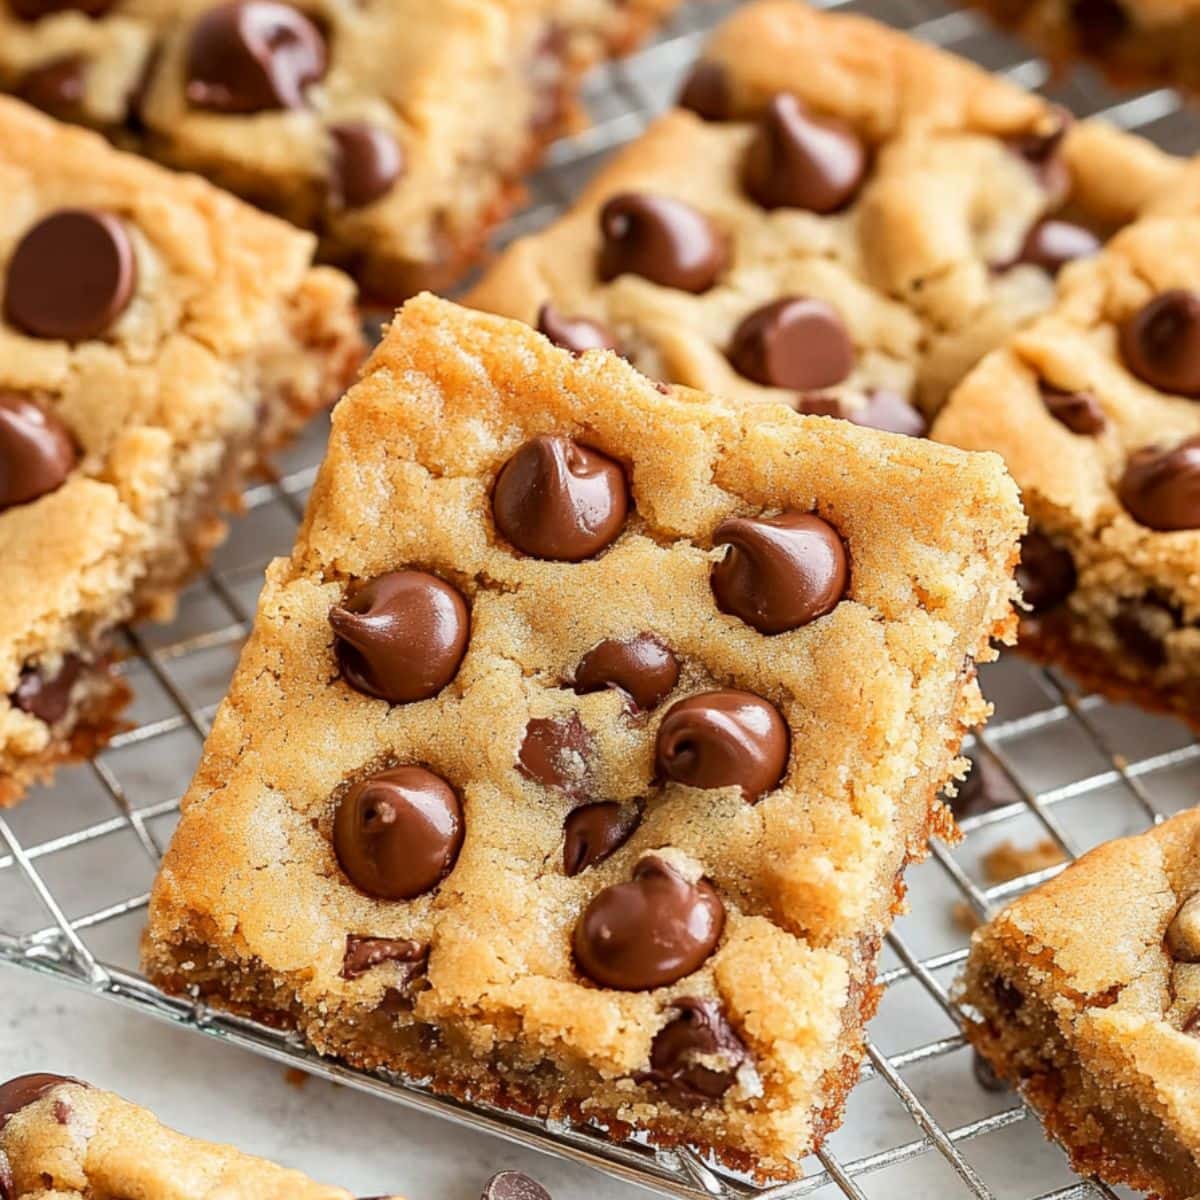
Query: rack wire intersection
(77, 860)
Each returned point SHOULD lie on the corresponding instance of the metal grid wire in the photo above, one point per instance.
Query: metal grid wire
(77, 860)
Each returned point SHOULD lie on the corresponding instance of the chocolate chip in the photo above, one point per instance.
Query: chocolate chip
(985, 789)
(642, 667)
(576, 334)
(397, 833)
(985, 1074)
(1080, 412)
(25, 1090)
(1161, 488)
(34, 10)
(512, 1185)
(56, 87)
(559, 500)
(47, 697)
(1046, 572)
(367, 161)
(881, 409)
(1042, 152)
(593, 832)
(694, 1059)
(555, 752)
(402, 636)
(252, 56)
(1142, 626)
(723, 738)
(36, 451)
(650, 932)
(706, 92)
(363, 953)
(779, 572)
(795, 342)
(798, 160)
(71, 276)
(1098, 24)
(1161, 342)
(1052, 243)
(1008, 997)
(661, 239)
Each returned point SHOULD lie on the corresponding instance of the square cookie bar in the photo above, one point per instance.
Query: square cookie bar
(397, 129)
(838, 217)
(156, 336)
(1094, 408)
(1086, 994)
(60, 1138)
(580, 744)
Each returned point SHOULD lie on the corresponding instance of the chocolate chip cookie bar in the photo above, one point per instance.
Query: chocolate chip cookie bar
(845, 224)
(156, 336)
(1086, 994)
(60, 1138)
(1150, 43)
(396, 129)
(1094, 407)
(580, 744)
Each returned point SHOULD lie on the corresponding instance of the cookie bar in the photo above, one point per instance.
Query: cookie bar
(583, 784)
(156, 336)
(1086, 993)
(60, 1138)
(1150, 43)
(1094, 407)
(397, 129)
(845, 224)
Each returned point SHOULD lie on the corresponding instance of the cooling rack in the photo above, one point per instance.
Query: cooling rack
(77, 860)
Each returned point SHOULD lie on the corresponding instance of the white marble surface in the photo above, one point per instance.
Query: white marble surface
(227, 1095)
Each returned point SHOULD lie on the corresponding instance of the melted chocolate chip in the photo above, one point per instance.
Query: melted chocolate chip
(723, 739)
(1042, 151)
(367, 161)
(1161, 488)
(650, 932)
(795, 342)
(661, 239)
(397, 833)
(1098, 24)
(363, 953)
(694, 1059)
(47, 698)
(642, 667)
(513, 1185)
(559, 500)
(34, 10)
(1161, 342)
(252, 56)
(402, 636)
(71, 275)
(25, 1090)
(706, 92)
(593, 832)
(1080, 412)
(36, 451)
(56, 87)
(555, 752)
(882, 409)
(987, 787)
(1142, 626)
(1046, 572)
(576, 334)
(798, 160)
(780, 572)
(1052, 243)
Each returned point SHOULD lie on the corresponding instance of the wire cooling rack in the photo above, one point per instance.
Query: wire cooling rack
(77, 860)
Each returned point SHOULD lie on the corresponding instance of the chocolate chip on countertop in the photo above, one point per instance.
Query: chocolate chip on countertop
(1161, 488)
(1160, 343)
(367, 162)
(513, 1185)
(641, 667)
(36, 451)
(577, 334)
(795, 342)
(661, 239)
(594, 832)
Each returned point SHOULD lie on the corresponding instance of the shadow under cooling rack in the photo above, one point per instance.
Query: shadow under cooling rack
(77, 860)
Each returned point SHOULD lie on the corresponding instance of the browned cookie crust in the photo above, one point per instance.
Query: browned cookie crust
(582, 723)
(60, 1138)
(398, 130)
(157, 337)
(845, 224)
(1086, 994)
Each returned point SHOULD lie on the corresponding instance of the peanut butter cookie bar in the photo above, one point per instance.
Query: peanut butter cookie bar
(845, 223)
(580, 744)
(397, 129)
(60, 1138)
(156, 336)
(1086, 993)
(1094, 408)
